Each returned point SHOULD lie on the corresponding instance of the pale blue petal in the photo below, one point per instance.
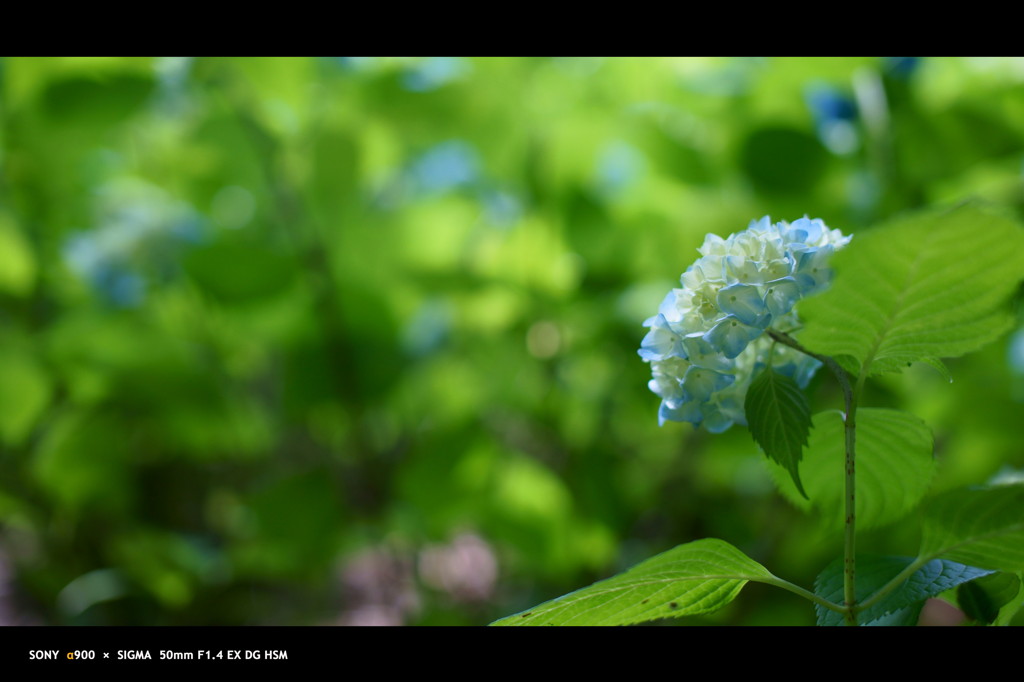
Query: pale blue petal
(742, 269)
(668, 388)
(731, 336)
(781, 295)
(743, 301)
(762, 225)
(715, 420)
(702, 354)
(795, 233)
(812, 271)
(661, 342)
(800, 370)
(713, 268)
(686, 412)
(668, 307)
(700, 383)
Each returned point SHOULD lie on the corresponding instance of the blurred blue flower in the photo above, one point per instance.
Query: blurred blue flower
(171, 97)
(121, 287)
(433, 72)
(1015, 359)
(109, 275)
(452, 165)
(829, 104)
(139, 230)
(428, 328)
(502, 208)
(834, 115)
(446, 166)
(619, 165)
(901, 67)
(355, 63)
(1015, 352)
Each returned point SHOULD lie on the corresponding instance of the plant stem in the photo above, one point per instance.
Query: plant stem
(850, 397)
(893, 584)
(850, 536)
(806, 594)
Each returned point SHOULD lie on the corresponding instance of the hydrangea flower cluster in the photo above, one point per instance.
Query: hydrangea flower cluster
(708, 340)
(139, 228)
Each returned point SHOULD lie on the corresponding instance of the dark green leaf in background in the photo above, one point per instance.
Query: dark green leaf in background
(780, 159)
(239, 272)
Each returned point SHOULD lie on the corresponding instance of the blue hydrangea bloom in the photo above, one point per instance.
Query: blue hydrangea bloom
(139, 231)
(834, 115)
(434, 72)
(708, 339)
(902, 67)
(446, 166)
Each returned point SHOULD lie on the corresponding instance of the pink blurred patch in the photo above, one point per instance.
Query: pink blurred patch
(466, 568)
(938, 612)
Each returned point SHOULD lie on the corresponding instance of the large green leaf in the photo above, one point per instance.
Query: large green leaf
(894, 467)
(978, 526)
(779, 420)
(928, 285)
(903, 605)
(698, 577)
(982, 600)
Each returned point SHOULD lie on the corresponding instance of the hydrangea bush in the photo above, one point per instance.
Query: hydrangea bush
(757, 314)
(708, 339)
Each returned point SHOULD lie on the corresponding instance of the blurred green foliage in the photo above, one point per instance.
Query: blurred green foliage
(352, 340)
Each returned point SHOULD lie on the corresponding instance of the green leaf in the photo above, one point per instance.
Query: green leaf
(982, 599)
(901, 618)
(698, 577)
(939, 367)
(225, 271)
(18, 267)
(901, 606)
(894, 467)
(979, 526)
(26, 389)
(779, 420)
(928, 285)
(783, 160)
